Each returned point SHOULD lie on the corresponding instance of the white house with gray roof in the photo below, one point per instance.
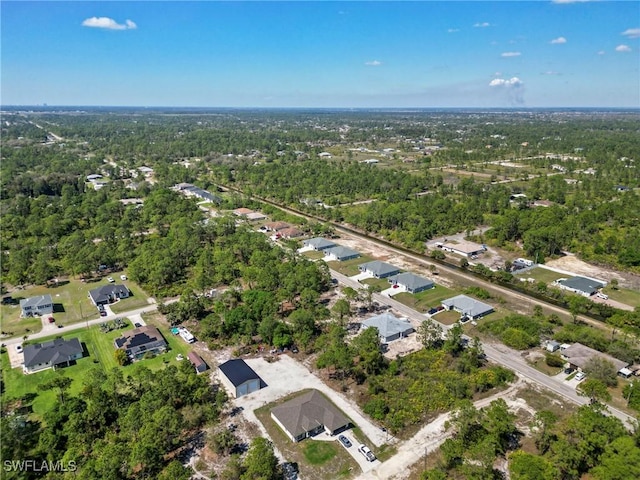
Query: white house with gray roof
(467, 306)
(319, 243)
(411, 282)
(340, 253)
(379, 269)
(389, 326)
(36, 306)
(581, 285)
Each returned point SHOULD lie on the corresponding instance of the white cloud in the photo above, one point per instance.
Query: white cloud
(551, 72)
(482, 25)
(623, 48)
(601, 52)
(510, 54)
(453, 30)
(373, 63)
(513, 82)
(558, 40)
(108, 23)
(631, 33)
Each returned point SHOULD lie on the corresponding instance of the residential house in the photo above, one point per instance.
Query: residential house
(411, 282)
(276, 226)
(54, 354)
(581, 285)
(378, 269)
(578, 356)
(255, 216)
(242, 212)
(467, 306)
(36, 306)
(140, 341)
(239, 378)
(108, 294)
(340, 253)
(291, 232)
(319, 243)
(389, 327)
(307, 415)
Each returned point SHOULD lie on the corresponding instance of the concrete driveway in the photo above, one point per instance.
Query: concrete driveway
(361, 276)
(287, 376)
(390, 292)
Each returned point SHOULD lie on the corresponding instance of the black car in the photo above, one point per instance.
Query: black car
(344, 441)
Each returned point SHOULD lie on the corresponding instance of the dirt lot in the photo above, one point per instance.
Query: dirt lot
(572, 263)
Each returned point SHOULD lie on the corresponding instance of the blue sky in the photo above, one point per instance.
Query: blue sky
(321, 54)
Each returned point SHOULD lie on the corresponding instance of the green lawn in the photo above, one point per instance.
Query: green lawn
(623, 295)
(349, 267)
(382, 283)
(99, 354)
(313, 254)
(541, 274)
(426, 299)
(317, 452)
(447, 317)
(71, 304)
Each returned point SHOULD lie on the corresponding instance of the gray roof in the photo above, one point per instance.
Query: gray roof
(319, 243)
(583, 284)
(35, 302)
(411, 281)
(55, 352)
(467, 305)
(379, 268)
(102, 294)
(579, 355)
(388, 325)
(342, 252)
(238, 372)
(307, 411)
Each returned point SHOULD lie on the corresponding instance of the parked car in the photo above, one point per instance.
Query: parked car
(368, 454)
(19, 348)
(580, 376)
(344, 441)
(110, 279)
(103, 313)
(123, 277)
(568, 371)
(51, 319)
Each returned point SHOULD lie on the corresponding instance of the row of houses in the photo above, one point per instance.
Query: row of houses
(135, 343)
(43, 304)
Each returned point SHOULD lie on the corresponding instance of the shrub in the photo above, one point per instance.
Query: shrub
(553, 360)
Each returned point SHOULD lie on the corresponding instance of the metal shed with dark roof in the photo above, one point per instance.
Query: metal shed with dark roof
(239, 378)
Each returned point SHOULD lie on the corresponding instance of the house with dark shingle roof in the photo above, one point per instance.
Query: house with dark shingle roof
(197, 362)
(139, 341)
(53, 354)
(108, 294)
(36, 306)
(379, 269)
(411, 282)
(578, 356)
(309, 414)
(239, 378)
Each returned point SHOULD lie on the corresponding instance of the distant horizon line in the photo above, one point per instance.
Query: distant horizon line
(405, 108)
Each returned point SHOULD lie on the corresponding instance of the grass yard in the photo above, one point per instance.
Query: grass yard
(349, 267)
(623, 295)
(316, 459)
(99, 354)
(423, 301)
(447, 317)
(381, 283)
(317, 452)
(540, 274)
(70, 302)
(313, 255)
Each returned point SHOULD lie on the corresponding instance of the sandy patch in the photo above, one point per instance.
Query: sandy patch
(573, 264)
